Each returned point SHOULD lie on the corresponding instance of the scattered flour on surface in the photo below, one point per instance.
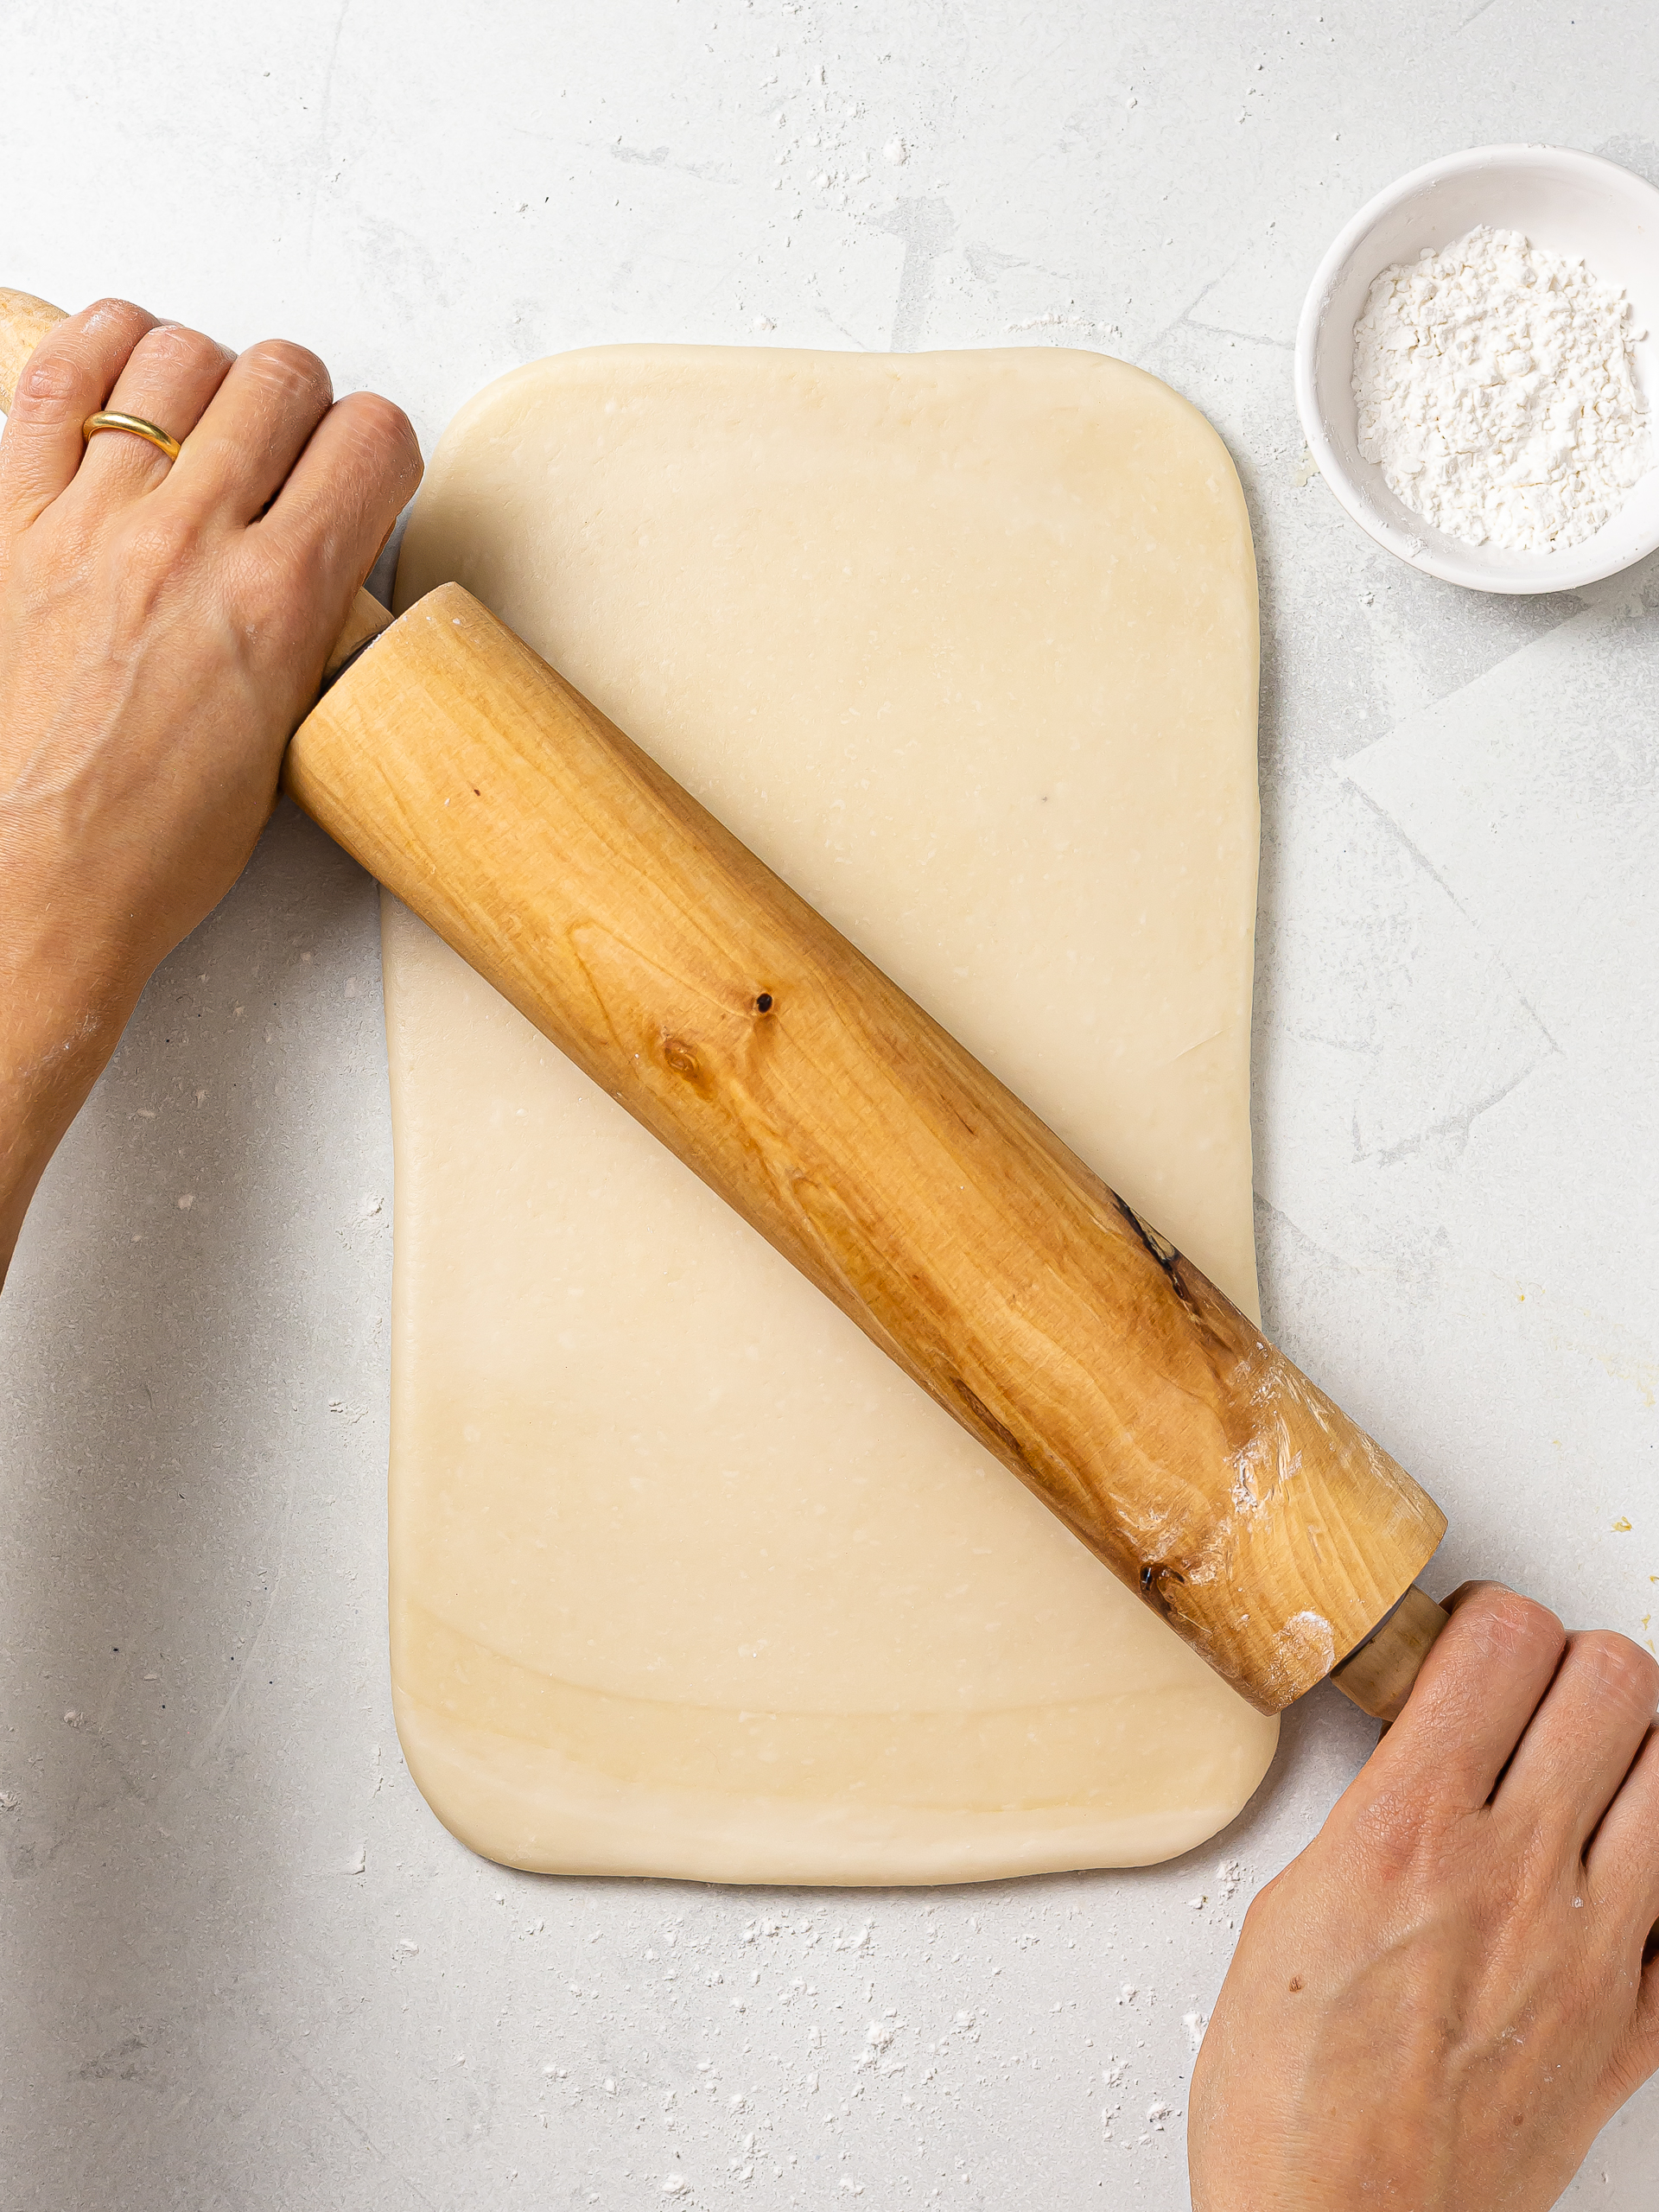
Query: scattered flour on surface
(1497, 391)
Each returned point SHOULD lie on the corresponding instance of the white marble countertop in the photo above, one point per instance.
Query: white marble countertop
(242, 1963)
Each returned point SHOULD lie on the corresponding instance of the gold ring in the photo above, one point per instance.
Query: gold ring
(136, 424)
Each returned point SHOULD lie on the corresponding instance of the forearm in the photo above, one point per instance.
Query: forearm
(64, 998)
(163, 619)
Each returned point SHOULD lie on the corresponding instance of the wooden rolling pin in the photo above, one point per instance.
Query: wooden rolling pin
(861, 1140)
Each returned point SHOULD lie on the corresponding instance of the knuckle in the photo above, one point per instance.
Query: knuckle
(55, 376)
(143, 572)
(156, 527)
(1260, 1915)
(1510, 1626)
(1618, 1667)
(49, 382)
(123, 313)
(382, 428)
(1464, 1592)
(290, 369)
(1399, 1833)
(171, 347)
(378, 416)
(1276, 1897)
(159, 543)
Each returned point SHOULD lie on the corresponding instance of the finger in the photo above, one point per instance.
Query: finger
(1480, 1685)
(1622, 1863)
(1579, 1744)
(169, 378)
(253, 431)
(1463, 1592)
(69, 376)
(345, 491)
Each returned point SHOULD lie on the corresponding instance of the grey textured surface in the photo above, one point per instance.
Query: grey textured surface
(242, 1964)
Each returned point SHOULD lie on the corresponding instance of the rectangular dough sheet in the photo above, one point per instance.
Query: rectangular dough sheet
(687, 1578)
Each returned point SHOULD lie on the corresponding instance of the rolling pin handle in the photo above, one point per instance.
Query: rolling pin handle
(1378, 1674)
(363, 624)
(24, 320)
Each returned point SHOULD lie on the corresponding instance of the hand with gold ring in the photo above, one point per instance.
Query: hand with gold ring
(182, 533)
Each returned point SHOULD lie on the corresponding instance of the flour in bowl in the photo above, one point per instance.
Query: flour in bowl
(1497, 393)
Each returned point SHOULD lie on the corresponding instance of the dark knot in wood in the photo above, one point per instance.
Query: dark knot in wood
(982, 1413)
(1154, 1576)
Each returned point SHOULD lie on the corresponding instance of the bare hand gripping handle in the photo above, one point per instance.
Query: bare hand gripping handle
(993, 1265)
(24, 320)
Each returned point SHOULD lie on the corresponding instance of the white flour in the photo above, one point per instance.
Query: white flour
(1497, 394)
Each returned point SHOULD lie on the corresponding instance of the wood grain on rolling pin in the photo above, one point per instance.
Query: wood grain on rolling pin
(864, 1143)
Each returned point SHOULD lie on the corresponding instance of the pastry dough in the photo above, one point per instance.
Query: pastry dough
(686, 1577)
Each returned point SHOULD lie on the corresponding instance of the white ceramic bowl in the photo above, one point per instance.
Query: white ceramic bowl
(1571, 204)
